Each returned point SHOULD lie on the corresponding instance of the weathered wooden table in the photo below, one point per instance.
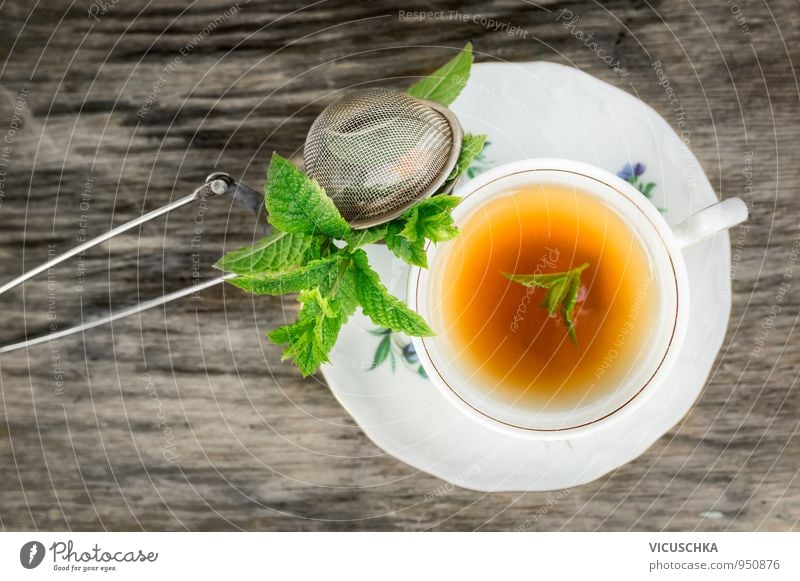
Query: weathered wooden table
(184, 418)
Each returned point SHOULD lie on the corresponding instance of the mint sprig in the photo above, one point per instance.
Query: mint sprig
(314, 252)
(562, 293)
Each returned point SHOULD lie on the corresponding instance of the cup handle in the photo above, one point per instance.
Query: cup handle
(708, 221)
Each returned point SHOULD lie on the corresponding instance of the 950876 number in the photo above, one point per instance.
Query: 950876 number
(758, 564)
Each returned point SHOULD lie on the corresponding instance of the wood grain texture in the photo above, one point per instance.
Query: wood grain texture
(252, 445)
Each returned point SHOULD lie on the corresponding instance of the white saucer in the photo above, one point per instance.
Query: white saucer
(542, 110)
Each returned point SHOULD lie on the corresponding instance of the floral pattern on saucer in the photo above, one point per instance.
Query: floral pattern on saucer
(632, 173)
(394, 346)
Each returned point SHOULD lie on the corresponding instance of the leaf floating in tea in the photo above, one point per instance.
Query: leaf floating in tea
(562, 292)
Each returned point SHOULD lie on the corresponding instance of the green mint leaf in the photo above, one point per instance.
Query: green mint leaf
(358, 238)
(296, 203)
(562, 293)
(570, 300)
(444, 84)
(434, 219)
(471, 146)
(431, 219)
(379, 305)
(325, 309)
(343, 288)
(410, 251)
(313, 274)
(314, 296)
(556, 295)
(274, 253)
(540, 280)
(408, 221)
(320, 247)
(302, 344)
(309, 340)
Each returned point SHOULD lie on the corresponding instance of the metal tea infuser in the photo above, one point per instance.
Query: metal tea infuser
(376, 152)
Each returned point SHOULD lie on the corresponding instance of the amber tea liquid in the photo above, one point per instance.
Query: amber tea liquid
(496, 329)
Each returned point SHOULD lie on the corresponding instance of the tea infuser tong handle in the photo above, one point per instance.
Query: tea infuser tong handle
(216, 184)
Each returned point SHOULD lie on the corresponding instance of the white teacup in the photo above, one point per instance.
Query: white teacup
(663, 244)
